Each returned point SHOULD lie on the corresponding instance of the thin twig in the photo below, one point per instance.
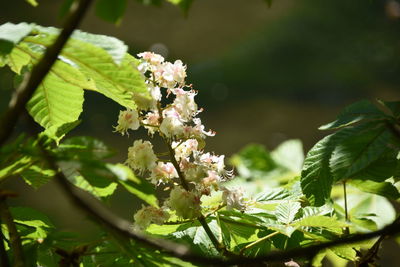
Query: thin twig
(25, 91)
(15, 240)
(371, 254)
(124, 228)
(118, 225)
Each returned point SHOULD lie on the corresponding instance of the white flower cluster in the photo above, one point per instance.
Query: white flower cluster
(189, 171)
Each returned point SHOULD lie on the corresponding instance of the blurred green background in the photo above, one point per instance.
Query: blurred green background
(263, 74)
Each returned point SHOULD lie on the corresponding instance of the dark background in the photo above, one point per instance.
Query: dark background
(263, 74)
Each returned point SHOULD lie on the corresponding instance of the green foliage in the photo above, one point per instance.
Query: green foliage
(291, 201)
(43, 108)
(32, 2)
(354, 151)
(111, 10)
(88, 61)
(11, 34)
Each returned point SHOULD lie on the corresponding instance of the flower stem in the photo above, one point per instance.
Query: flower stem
(184, 183)
(219, 246)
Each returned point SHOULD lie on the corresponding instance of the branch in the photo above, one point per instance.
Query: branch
(123, 227)
(105, 218)
(15, 239)
(32, 80)
(371, 254)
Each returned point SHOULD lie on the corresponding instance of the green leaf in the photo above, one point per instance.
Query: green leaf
(340, 155)
(63, 69)
(381, 169)
(385, 189)
(15, 167)
(197, 238)
(114, 47)
(11, 34)
(356, 112)
(317, 260)
(330, 223)
(253, 159)
(17, 156)
(56, 133)
(286, 212)
(36, 175)
(235, 234)
(316, 179)
(17, 59)
(30, 217)
(31, 223)
(289, 155)
(111, 10)
(102, 60)
(275, 194)
(138, 187)
(346, 252)
(357, 152)
(55, 102)
(32, 2)
(84, 148)
(92, 177)
(392, 106)
(280, 194)
(362, 206)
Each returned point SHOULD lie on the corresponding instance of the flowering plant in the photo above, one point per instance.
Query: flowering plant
(281, 206)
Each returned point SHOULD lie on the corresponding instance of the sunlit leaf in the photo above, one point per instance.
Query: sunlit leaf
(356, 112)
(11, 34)
(286, 212)
(55, 102)
(385, 189)
(290, 155)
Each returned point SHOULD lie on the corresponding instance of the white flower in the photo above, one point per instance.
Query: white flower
(184, 103)
(141, 156)
(234, 199)
(155, 92)
(127, 119)
(168, 74)
(185, 149)
(152, 58)
(186, 204)
(211, 161)
(179, 71)
(151, 121)
(197, 131)
(211, 180)
(194, 173)
(171, 125)
(163, 172)
(147, 215)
